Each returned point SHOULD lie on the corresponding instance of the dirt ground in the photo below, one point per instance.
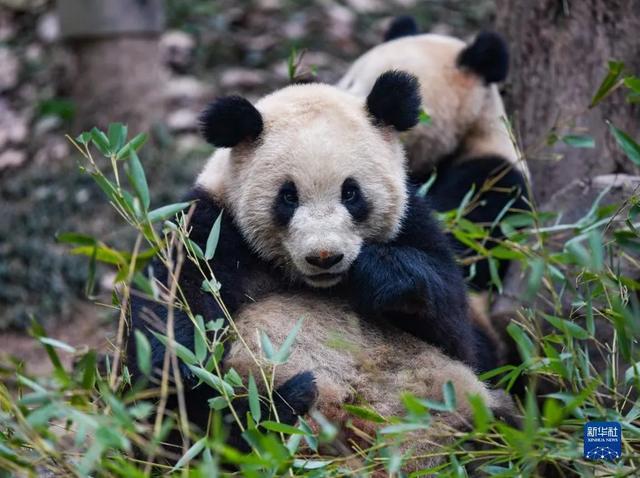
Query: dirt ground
(89, 327)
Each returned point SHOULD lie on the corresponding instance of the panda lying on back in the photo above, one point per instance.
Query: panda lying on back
(316, 202)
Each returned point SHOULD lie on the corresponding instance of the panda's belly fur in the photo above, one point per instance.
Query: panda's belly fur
(353, 361)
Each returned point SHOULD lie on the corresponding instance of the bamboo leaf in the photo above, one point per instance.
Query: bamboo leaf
(267, 346)
(182, 352)
(281, 428)
(212, 240)
(134, 145)
(117, 135)
(199, 339)
(365, 413)
(166, 212)
(191, 453)
(282, 355)
(57, 344)
(143, 353)
(138, 179)
(609, 81)
(579, 141)
(212, 380)
(254, 400)
(627, 144)
(100, 141)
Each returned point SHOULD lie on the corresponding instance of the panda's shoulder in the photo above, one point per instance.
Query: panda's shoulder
(420, 227)
(206, 212)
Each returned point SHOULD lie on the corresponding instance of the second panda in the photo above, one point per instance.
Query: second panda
(467, 140)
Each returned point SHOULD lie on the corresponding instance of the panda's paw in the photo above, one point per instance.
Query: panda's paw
(403, 299)
(296, 396)
(384, 279)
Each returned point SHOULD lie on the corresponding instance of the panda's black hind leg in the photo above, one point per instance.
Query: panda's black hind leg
(292, 399)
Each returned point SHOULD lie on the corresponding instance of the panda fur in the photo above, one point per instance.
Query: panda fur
(467, 142)
(347, 176)
(358, 363)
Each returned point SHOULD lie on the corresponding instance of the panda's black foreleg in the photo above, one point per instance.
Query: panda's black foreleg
(420, 294)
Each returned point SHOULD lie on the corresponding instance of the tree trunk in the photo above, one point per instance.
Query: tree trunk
(119, 67)
(560, 50)
(119, 79)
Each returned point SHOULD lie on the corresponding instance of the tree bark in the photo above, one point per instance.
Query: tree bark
(119, 79)
(560, 50)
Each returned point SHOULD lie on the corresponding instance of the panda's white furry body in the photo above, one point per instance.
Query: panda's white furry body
(320, 221)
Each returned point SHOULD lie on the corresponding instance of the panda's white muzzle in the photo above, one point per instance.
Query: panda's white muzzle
(322, 242)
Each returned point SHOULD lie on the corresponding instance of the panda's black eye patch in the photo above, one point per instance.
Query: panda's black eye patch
(354, 200)
(286, 203)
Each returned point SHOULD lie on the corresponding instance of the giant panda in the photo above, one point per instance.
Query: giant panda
(467, 142)
(319, 219)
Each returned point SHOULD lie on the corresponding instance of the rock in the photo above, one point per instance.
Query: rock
(296, 27)
(48, 28)
(55, 149)
(366, 6)
(12, 158)
(185, 90)
(13, 126)
(177, 50)
(341, 21)
(234, 78)
(46, 124)
(182, 120)
(9, 69)
(34, 53)
(269, 4)
(187, 143)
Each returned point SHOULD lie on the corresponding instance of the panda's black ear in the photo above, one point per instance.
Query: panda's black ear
(401, 26)
(487, 56)
(395, 100)
(230, 120)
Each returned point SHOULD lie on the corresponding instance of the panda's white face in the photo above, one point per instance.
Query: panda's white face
(321, 180)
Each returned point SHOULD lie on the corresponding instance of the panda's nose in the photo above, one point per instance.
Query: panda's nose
(324, 260)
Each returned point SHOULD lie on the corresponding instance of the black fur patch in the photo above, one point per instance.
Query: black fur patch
(453, 181)
(401, 26)
(354, 201)
(486, 353)
(395, 100)
(415, 283)
(284, 207)
(488, 56)
(229, 120)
